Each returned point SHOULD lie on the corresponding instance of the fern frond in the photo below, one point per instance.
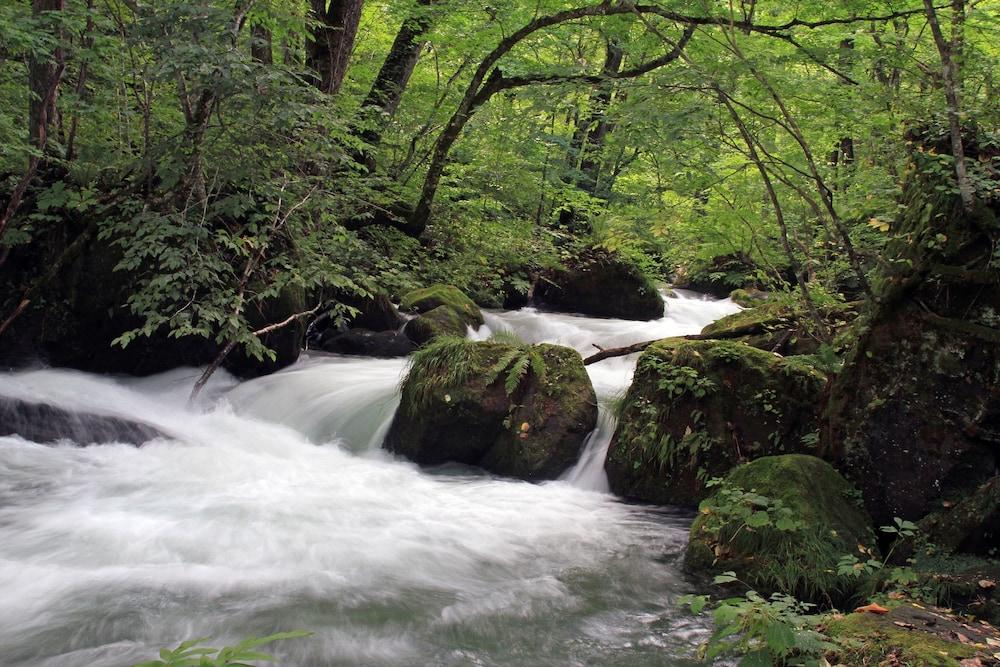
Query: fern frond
(538, 366)
(501, 365)
(516, 373)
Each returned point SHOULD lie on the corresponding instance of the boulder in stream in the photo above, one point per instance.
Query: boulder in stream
(44, 423)
(443, 310)
(513, 409)
(697, 408)
(601, 283)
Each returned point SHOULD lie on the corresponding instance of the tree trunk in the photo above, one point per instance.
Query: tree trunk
(598, 127)
(260, 45)
(42, 87)
(387, 89)
(329, 48)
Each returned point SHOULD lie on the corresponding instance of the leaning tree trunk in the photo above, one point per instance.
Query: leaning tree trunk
(329, 48)
(261, 48)
(597, 126)
(387, 89)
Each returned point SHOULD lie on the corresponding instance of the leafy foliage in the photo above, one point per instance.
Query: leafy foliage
(191, 654)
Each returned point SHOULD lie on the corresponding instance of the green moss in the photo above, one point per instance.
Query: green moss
(821, 521)
(436, 323)
(433, 297)
(697, 408)
(871, 639)
(749, 298)
(469, 402)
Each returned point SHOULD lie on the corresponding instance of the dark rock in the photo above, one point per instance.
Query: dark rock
(601, 284)
(970, 524)
(914, 416)
(721, 275)
(286, 342)
(43, 423)
(368, 343)
(809, 518)
(697, 408)
(444, 311)
(455, 408)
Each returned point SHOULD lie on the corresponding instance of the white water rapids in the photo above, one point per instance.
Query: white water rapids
(272, 508)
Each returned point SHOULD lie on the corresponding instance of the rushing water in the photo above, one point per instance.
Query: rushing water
(270, 507)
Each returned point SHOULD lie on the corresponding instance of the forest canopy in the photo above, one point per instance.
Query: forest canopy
(221, 155)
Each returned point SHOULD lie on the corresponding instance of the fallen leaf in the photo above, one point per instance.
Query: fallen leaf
(872, 609)
(962, 638)
(971, 662)
(987, 584)
(908, 626)
(992, 642)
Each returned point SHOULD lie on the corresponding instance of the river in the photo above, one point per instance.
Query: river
(270, 507)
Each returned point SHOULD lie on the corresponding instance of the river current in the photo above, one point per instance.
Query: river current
(271, 507)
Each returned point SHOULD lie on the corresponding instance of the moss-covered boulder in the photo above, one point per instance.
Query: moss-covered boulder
(286, 343)
(911, 635)
(780, 326)
(781, 523)
(443, 311)
(915, 413)
(513, 409)
(750, 297)
(697, 408)
(720, 275)
(603, 284)
(433, 297)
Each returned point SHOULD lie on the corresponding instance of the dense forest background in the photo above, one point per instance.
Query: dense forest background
(219, 171)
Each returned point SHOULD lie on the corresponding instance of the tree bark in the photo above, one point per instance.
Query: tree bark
(260, 45)
(41, 75)
(950, 75)
(328, 51)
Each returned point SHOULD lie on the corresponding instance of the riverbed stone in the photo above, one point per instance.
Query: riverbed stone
(695, 409)
(513, 409)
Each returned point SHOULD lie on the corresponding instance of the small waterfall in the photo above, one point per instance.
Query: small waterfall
(684, 313)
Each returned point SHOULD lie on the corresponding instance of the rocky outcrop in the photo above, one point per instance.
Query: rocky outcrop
(74, 319)
(362, 342)
(443, 310)
(914, 416)
(43, 423)
(697, 408)
(602, 284)
(970, 524)
(720, 275)
(782, 523)
(513, 409)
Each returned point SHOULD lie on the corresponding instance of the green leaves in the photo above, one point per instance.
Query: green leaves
(190, 654)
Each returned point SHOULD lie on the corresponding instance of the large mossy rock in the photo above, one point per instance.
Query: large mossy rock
(781, 523)
(915, 413)
(443, 311)
(515, 410)
(697, 408)
(602, 284)
(969, 524)
(781, 327)
(720, 275)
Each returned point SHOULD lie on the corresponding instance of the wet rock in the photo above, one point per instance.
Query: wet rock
(43, 423)
(515, 410)
(970, 524)
(695, 409)
(781, 523)
(782, 327)
(602, 284)
(367, 343)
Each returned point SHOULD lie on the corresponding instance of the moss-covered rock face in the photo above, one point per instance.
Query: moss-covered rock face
(515, 410)
(780, 327)
(697, 408)
(909, 635)
(720, 275)
(915, 413)
(749, 297)
(441, 321)
(781, 523)
(602, 284)
(435, 296)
